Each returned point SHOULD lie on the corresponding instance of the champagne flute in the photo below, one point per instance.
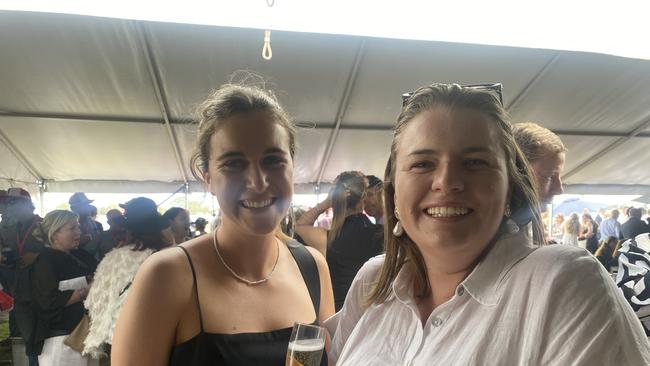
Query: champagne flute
(305, 345)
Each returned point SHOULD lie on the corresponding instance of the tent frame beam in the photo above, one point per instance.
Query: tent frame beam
(159, 90)
(593, 158)
(21, 158)
(343, 107)
(320, 126)
(515, 101)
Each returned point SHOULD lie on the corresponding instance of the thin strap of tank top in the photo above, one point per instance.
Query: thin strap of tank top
(196, 286)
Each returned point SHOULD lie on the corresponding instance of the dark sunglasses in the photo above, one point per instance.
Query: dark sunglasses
(489, 87)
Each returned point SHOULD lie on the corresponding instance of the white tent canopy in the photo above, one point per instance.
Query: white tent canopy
(106, 105)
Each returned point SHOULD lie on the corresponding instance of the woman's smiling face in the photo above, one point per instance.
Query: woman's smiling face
(451, 180)
(250, 171)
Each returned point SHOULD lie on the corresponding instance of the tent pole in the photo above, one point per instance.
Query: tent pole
(187, 195)
(41, 197)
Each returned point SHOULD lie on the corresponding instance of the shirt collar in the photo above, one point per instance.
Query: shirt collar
(484, 284)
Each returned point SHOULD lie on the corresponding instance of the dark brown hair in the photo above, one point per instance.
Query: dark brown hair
(225, 102)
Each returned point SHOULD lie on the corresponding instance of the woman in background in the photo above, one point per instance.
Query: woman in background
(51, 291)
(571, 230)
(146, 233)
(607, 252)
(179, 222)
(588, 232)
(352, 239)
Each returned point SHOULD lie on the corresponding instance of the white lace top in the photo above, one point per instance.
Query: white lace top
(104, 302)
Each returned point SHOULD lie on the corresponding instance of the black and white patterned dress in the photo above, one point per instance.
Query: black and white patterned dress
(634, 276)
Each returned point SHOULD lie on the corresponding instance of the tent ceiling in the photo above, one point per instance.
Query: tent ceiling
(84, 100)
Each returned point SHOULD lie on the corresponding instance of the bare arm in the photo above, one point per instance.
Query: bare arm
(315, 237)
(146, 329)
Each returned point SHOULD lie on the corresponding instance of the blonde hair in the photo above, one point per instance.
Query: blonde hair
(606, 244)
(53, 222)
(572, 224)
(535, 140)
(400, 250)
(348, 191)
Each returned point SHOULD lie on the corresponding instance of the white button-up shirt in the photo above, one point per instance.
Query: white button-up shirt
(521, 305)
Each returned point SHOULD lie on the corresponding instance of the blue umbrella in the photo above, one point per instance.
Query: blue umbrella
(577, 205)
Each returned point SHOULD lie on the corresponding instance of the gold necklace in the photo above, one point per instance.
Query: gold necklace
(242, 279)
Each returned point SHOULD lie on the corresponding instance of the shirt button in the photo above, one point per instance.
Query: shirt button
(437, 322)
(461, 291)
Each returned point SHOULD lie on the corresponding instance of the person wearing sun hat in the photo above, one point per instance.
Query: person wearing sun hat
(147, 232)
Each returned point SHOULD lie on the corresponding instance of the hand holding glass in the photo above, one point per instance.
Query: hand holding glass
(305, 345)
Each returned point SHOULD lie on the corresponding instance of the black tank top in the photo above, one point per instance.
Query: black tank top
(247, 349)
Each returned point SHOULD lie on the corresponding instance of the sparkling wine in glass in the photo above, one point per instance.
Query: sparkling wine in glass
(306, 345)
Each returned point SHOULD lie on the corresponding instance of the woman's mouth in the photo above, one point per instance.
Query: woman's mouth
(448, 211)
(257, 204)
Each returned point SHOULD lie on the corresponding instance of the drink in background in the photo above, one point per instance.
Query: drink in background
(306, 345)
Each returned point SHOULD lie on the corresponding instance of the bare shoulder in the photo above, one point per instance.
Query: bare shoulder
(318, 256)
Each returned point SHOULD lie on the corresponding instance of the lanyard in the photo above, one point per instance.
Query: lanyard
(21, 243)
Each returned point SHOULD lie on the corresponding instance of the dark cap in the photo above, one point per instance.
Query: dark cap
(141, 216)
(15, 194)
(79, 198)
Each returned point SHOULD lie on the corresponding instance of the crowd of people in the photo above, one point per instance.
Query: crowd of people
(448, 260)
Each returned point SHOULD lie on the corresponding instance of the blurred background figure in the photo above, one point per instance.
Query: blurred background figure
(589, 232)
(571, 230)
(199, 227)
(113, 237)
(19, 245)
(352, 239)
(634, 225)
(50, 291)
(80, 204)
(179, 222)
(146, 233)
(93, 216)
(557, 231)
(611, 227)
(373, 203)
(607, 253)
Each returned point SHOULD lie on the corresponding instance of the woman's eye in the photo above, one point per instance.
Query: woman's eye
(273, 161)
(234, 164)
(476, 162)
(422, 165)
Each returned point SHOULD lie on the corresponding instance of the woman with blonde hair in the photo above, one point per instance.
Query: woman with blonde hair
(232, 297)
(461, 282)
(51, 290)
(571, 230)
(352, 239)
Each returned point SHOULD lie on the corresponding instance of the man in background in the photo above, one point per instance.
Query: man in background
(80, 204)
(611, 227)
(546, 154)
(634, 225)
(112, 238)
